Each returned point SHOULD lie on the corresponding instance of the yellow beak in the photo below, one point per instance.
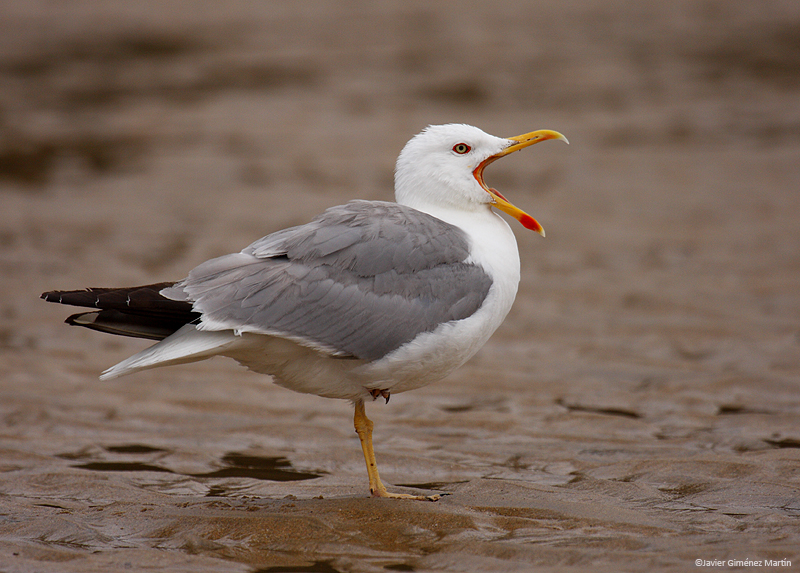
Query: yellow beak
(498, 200)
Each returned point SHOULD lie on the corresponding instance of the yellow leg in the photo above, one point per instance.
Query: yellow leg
(376, 488)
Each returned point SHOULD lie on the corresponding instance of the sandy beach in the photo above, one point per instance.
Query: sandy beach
(639, 410)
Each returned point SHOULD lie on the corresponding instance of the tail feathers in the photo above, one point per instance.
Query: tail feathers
(186, 345)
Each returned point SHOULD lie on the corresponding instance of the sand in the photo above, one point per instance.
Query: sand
(637, 411)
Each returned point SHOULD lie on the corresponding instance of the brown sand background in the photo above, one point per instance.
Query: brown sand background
(637, 411)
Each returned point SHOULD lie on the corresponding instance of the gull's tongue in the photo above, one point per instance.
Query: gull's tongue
(496, 192)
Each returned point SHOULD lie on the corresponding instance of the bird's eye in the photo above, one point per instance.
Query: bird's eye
(461, 148)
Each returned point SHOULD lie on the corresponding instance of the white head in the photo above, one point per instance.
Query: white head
(442, 167)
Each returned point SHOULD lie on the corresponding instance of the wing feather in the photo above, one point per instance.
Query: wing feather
(360, 280)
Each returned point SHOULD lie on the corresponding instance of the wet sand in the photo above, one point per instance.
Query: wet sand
(637, 411)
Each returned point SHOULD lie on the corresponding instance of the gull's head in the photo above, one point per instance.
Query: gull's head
(442, 167)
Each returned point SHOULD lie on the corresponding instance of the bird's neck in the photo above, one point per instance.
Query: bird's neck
(443, 207)
(492, 241)
(458, 215)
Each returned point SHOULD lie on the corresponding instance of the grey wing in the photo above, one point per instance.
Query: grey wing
(360, 280)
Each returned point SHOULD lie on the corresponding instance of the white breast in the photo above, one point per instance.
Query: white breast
(433, 355)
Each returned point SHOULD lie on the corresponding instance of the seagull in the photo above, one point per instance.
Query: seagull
(369, 299)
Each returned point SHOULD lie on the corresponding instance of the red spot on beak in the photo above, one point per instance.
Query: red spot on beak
(530, 223)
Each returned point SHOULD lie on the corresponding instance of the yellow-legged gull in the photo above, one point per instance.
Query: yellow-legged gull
(368, 299)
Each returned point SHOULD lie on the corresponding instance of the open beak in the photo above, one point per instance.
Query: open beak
(520, 142)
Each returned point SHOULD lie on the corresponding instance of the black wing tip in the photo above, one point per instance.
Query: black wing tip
(81, 297)
(72, 319)
(139, 312)
(57, 295)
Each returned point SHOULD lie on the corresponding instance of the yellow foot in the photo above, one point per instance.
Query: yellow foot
(384, 493)
(363, 426)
